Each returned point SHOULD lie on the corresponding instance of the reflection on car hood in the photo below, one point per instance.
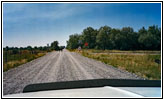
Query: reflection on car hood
(93, 88)
(106, 91)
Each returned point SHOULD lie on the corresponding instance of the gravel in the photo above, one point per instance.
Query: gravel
(59, 66)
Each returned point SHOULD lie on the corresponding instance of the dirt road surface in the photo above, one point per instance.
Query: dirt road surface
(59, 66)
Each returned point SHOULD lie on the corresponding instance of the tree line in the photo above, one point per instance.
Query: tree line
(120, 39)
(15, 53)
(54, 46)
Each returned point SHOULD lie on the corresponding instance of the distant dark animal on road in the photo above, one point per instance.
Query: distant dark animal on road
(61, 49)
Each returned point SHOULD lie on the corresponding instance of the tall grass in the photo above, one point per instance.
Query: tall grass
(142, 65)
(120, 51)
(11, 60)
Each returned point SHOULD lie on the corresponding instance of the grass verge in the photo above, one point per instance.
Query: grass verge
(13, 60)
(143, 65)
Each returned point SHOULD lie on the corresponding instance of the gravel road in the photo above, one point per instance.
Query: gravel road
(59, 66)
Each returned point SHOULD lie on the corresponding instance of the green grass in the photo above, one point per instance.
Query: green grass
(143, 65)
(14, 60)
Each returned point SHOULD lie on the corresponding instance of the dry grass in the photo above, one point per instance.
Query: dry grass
(16, 59)
(119, 51)
(142, 65)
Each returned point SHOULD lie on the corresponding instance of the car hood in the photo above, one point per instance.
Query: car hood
(106, 91)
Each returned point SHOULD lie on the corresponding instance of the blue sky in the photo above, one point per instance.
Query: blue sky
(37, 24)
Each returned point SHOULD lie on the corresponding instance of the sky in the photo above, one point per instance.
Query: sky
(38, 24)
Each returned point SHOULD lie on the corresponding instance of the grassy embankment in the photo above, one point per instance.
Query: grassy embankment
(11, 60)
(142, 63)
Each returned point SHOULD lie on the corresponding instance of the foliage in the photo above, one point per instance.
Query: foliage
(73, 41)
(102, 38)
(89, 36)
(117, 39)
(54, 45)
(150, 39)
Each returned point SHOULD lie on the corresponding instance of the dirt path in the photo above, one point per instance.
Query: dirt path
(59, 66)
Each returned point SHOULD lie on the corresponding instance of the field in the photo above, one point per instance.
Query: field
(13, 59)
(143, 63)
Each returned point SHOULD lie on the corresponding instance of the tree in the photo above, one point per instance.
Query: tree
(73, 41)
(102, 38)
(126, 34)
(150, 39)
(89, 36)
(15, 50)
(54, 45)
(35, 47)
(142, 34)
(155, 33)
(114, 38)
(6, 51)
(40, 48)
(121, 39)
(124, 39)
(29, 48)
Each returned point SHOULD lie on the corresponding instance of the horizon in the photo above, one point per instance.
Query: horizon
(39, 24)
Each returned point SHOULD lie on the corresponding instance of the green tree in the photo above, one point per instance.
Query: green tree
(127, 38)
(121, 39)
(54, 45)
(35, 47)
(40, 48)
(30, 49)
(73, 41)
(114, 38)
(142, 34)
(150, 39)
(6, 53)
(89, 36)
(102, 38)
